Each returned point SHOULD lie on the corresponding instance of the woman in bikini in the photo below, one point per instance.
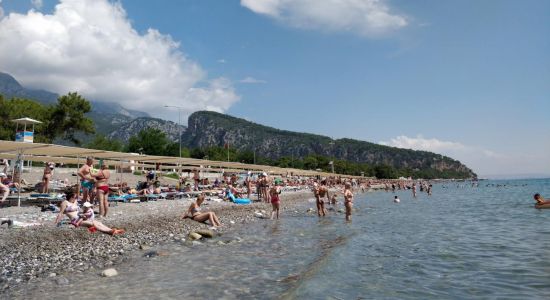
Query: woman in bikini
(194, 213)
(275, 200)
(48, 173)
(348, 200)
(70, 209)
(102, 185)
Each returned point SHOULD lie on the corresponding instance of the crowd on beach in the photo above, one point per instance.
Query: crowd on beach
(95, 190)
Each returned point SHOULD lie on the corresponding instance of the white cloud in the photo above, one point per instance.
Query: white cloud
(222, 61)
(91, 47)
(482, 161)
(364, 17)
(37, 4)
(252, 80)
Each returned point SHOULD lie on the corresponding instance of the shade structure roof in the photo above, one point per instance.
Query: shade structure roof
(26, 121)
(76, 155)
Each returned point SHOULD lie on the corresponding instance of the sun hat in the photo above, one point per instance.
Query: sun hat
(264, 174)
(87, 204)
(3, 175)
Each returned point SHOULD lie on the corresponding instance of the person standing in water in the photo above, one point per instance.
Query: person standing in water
(429, 190)
(414, 190)
(348, 200)
(320, 193)
(274, 192)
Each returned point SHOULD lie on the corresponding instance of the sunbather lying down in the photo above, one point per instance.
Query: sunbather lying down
(70, 208)
(194, 213)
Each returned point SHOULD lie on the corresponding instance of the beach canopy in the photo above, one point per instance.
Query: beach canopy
(76, 155)
(26, 121)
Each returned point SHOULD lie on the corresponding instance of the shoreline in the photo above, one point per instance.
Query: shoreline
(47, 252)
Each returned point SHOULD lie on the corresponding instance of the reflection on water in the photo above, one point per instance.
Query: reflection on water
(463, 242)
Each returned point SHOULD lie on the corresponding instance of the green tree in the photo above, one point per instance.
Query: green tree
(16, 108)
(149, 141)
(385, 172)
(67, 117)
(310, 162)
(100, 142)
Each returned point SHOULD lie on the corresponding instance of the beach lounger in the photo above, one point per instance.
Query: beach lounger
(117, 199)
(150, 197)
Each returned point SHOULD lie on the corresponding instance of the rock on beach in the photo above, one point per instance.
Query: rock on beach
(109, 272)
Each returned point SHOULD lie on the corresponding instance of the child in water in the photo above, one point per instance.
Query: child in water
(333, 199)
(396, 199)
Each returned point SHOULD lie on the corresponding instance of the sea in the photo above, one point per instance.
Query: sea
(463, 242)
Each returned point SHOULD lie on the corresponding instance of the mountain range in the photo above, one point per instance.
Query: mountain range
(206, 128)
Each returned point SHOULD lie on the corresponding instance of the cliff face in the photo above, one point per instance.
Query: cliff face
(133, 127)
(214, 129)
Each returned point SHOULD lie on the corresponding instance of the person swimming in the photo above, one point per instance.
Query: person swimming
(540, 200)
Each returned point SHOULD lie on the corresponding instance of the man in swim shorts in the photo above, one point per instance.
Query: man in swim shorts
(87, 182)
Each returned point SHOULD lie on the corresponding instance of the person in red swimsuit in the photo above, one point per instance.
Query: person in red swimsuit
(102, 185)
(274, 192)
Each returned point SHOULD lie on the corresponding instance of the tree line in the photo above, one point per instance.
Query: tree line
(67, 117)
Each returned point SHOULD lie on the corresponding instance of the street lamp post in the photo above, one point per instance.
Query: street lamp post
(331, 143)
(179, 122)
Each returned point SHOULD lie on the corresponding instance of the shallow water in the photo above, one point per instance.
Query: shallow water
(462, 242)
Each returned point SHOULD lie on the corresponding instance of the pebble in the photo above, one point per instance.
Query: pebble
(194, 236)
(52, 275)
(109, 272)
(62, 281)
(207, 233)
(258, 215)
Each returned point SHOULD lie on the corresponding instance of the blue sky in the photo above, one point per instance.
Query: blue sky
(470, 79)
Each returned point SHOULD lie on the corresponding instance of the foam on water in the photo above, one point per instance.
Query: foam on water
(462, 242)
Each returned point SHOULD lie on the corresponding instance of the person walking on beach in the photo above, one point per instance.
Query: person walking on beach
(196, 178)
(102, 186)
(6, 165)
(47, 176)
(248, 183)
(274, 192)
(86, 179)
(321, 192)
(348, 200)
(4, 189)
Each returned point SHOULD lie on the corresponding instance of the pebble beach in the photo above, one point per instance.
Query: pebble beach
(47, 252)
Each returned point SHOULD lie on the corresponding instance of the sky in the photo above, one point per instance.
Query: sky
(467, 79)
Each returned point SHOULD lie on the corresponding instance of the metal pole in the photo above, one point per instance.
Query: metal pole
(179, 110)
(19, 182)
